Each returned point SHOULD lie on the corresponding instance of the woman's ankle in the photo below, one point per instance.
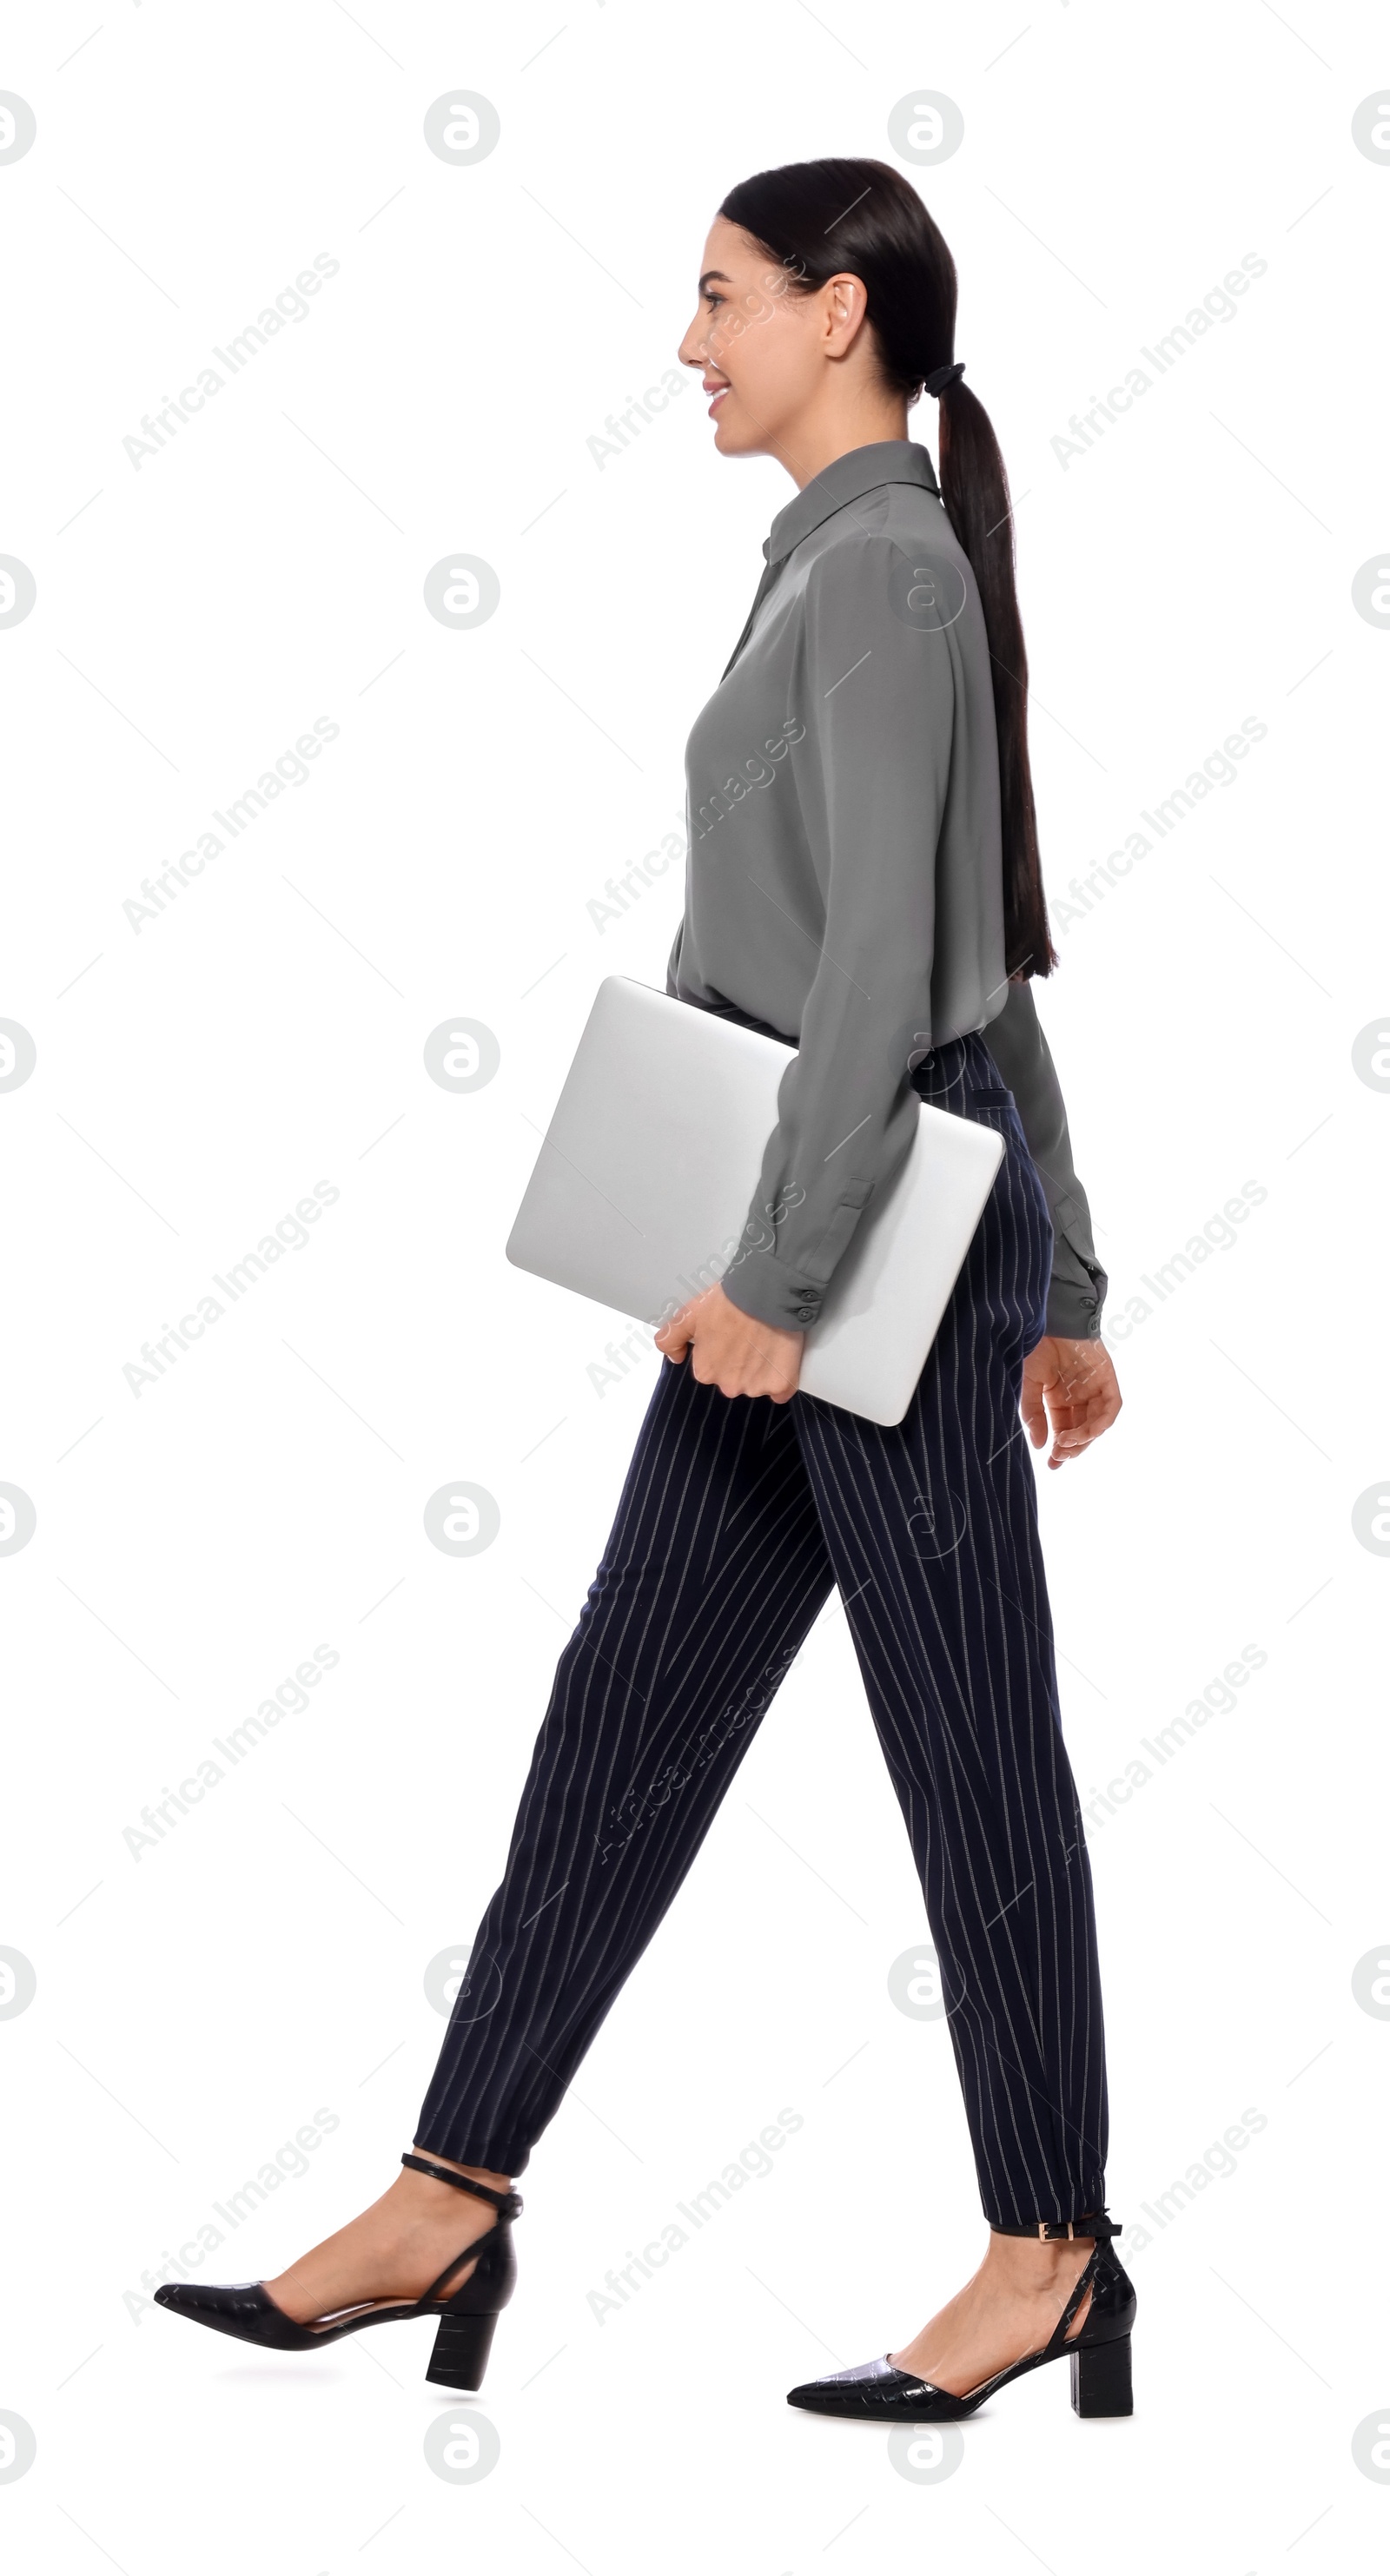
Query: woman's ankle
(1037, 2263)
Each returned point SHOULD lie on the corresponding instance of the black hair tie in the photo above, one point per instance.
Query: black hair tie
(941, 377)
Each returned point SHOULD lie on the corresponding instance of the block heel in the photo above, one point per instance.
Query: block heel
(877, 2392)
(1102, 2380)
(461, 2348)
(466, 2321)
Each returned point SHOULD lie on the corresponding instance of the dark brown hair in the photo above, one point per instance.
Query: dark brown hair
(816, 219)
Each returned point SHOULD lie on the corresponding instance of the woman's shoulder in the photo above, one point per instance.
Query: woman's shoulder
(902, 520)
(893, 552)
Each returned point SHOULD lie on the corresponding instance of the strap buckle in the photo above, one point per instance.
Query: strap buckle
(1044, 2231)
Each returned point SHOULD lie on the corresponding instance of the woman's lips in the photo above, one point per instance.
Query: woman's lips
(718, 396)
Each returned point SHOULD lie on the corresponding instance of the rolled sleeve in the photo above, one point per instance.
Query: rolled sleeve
(882, 681)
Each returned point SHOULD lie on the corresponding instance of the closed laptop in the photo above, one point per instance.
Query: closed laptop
(643, 1184)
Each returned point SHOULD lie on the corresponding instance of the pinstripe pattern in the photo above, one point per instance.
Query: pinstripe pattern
(736, 1519)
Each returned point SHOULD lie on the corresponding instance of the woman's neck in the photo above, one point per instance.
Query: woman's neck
(820, 436)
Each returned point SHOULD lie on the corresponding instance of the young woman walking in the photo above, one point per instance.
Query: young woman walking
(864, 882)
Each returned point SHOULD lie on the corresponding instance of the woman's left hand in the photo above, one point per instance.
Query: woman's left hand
(731, 1350)
(1076, 1383)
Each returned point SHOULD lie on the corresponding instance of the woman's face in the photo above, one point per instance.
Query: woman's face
(761, 347)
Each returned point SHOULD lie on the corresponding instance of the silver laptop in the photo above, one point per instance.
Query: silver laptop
(643, 1183)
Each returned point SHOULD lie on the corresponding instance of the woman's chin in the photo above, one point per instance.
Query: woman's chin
(726, 438)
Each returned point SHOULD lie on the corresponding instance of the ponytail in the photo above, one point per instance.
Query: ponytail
(975, 490)
(816, 219)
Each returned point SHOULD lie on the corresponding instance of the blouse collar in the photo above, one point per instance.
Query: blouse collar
(847, 479)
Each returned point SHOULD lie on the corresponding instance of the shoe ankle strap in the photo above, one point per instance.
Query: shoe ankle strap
(508, 2204)
(1051, 2231)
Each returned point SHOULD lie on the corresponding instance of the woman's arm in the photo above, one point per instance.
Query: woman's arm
(881, 702)
(1019, 1048)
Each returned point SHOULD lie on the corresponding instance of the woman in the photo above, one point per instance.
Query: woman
(863, 881)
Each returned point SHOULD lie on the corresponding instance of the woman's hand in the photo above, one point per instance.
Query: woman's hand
(731, 1350)
(1076, 1383)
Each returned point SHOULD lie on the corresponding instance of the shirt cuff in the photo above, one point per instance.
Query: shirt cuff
(1075, 1300)
(772, 1292)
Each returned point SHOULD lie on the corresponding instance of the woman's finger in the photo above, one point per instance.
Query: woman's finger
(1034, 1413)
(675, 1337)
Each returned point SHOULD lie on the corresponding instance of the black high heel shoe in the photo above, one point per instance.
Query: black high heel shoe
(877, 2392)
(467, 2321)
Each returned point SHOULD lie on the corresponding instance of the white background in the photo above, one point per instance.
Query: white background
(194, 1543)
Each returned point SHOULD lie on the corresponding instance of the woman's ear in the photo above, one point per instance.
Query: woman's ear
(846, 305)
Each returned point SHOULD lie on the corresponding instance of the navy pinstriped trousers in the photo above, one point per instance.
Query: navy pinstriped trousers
(736, 1519)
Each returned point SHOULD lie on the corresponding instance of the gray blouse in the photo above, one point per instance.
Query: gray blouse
(844, 889)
